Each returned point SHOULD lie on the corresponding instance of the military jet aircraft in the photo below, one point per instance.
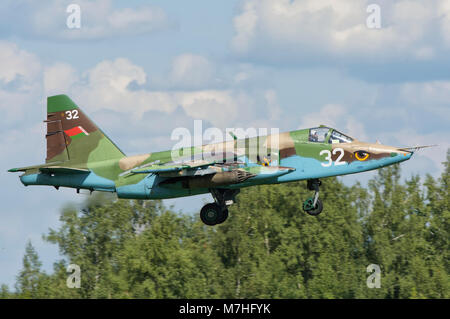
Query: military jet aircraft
(81, 156)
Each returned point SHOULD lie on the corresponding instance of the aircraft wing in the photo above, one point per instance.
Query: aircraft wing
(156, 169)
(267, 172)
(170, 168)
(198, 168)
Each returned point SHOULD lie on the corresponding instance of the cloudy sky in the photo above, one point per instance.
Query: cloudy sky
(143, 68)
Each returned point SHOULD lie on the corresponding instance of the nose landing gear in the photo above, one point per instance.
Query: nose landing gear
(313, 205)
(216, 213)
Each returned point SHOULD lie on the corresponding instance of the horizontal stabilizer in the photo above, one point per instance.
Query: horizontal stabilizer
(27, 168)
(50, 169)
(63, 170)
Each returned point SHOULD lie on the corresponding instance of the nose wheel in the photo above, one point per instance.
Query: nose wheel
(313, 205)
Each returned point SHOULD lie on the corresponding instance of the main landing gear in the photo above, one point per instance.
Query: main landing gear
(313, 205)
(216, 213)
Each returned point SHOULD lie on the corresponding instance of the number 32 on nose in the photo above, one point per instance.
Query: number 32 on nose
(328, 157)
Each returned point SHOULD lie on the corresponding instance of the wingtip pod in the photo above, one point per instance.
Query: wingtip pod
(13, 170)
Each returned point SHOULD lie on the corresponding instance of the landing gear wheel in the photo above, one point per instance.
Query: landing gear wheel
(222, 216)
(210, 214)
(309, 208)
(313, 206)
(217, 212)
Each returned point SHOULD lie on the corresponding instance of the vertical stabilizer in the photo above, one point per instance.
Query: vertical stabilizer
(72, 137)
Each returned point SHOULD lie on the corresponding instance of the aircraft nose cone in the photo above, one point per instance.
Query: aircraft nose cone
(402, 155)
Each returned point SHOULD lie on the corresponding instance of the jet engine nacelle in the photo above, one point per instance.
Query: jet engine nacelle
(217, 179)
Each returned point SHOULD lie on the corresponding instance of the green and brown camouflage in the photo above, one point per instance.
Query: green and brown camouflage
(80, 155)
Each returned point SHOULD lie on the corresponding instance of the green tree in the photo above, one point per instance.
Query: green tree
(397, 236)
(4, 292)
(272, 249)
(163, 263)
(94, 237)
(30, 279)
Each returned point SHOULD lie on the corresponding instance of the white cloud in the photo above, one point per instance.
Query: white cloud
(107, 87)
(338, 117)
(189, 70)
(58, 78)
(219, 107)
(425, 92)
(144, 19)
(241, 77)
(99, 19)
(444, 9)
(17, 64)
(424, 53)
(328, 115)
(430, 97)
(15, 106)
(245, 25)
(274, 109)
(20, 83)
(117, 74)
(308, 28)
(436, 154)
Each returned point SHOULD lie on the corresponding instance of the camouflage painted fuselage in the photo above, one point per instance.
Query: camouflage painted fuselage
(81, 156)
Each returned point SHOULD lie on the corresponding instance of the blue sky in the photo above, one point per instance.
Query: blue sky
(142, 68)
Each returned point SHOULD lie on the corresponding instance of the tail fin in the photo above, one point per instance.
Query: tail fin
(72, 137)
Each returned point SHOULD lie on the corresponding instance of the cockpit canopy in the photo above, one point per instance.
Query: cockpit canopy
(324, 134)
(337, 137)
(318, 134)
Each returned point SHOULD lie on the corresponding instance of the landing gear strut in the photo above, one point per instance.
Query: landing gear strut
(216, 213)
(313, 205)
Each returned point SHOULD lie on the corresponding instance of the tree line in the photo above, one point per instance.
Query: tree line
(268, 247)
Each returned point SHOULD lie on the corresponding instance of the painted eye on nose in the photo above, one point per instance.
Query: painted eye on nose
(361, 155)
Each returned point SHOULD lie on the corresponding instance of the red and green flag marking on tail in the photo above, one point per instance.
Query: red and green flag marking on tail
(76, 132)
